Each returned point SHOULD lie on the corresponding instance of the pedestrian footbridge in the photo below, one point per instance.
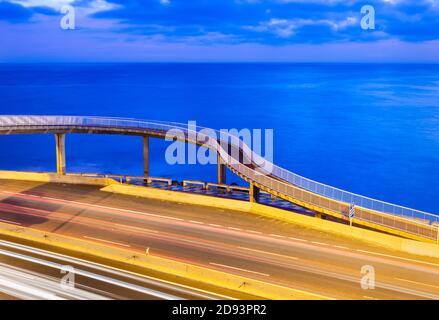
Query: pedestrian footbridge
(234, 154)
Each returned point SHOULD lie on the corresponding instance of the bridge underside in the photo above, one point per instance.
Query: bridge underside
(61, 131)
(88, 130)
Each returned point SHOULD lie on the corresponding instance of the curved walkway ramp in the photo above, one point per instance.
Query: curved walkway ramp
(240, 159)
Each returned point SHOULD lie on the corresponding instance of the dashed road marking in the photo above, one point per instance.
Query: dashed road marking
(178, 219)
(297, 239)
(239, 269)
(277, 236)
(320, 243)
(196, 222)
(270, 253)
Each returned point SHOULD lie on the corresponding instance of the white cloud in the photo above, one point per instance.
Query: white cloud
(285, 28)
(89, 8)
(54, 4)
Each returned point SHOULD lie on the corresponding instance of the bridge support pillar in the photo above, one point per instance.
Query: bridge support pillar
(320, 215)
(146, 156)
(221, 171)
(60, 139)
(254, 193)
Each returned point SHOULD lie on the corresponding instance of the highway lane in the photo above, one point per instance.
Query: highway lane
(261, 248)
(30, 273)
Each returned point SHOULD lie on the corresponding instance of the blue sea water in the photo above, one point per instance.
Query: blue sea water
(372, 129)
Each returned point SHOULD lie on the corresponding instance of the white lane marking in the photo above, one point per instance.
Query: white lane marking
(232, 228)
(297, 239)
(341, 247)
(277, 236)
(239, 269)
(167, 217)
(270, 253)
(107, 241)
(215, 225)
(320, 243)
(370, 298)
(196, 222)
(253, 231)
(13, 222)
(416, 282)
(396, 257)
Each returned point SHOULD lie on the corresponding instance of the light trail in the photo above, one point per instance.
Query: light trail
(164, 284)
(26, 284)
(91, 275)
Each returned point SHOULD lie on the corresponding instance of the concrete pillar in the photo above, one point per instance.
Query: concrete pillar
(254, 193)
(320, 215)
(221, 171)
(146, 156)
(60, 139)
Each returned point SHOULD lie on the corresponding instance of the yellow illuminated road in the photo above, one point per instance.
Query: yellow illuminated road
(234, 242)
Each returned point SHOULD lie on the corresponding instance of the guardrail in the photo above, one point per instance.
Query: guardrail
(277, 181)
(226, 187)
(193, 183)
(125, 178)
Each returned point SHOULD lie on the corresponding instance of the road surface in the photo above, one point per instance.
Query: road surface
(327, 266)
(30, 273)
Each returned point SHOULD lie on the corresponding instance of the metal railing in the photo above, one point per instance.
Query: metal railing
(275, 179)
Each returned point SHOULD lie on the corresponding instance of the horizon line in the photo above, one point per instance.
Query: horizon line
(220, 62)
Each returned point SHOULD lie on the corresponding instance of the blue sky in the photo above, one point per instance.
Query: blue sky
(220, 30)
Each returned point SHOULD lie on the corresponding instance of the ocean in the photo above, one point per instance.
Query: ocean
(372, 129)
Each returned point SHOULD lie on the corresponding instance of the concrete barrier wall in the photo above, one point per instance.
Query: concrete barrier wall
(180, 197)
(53, 177)
(367, 236)
(237, 283)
